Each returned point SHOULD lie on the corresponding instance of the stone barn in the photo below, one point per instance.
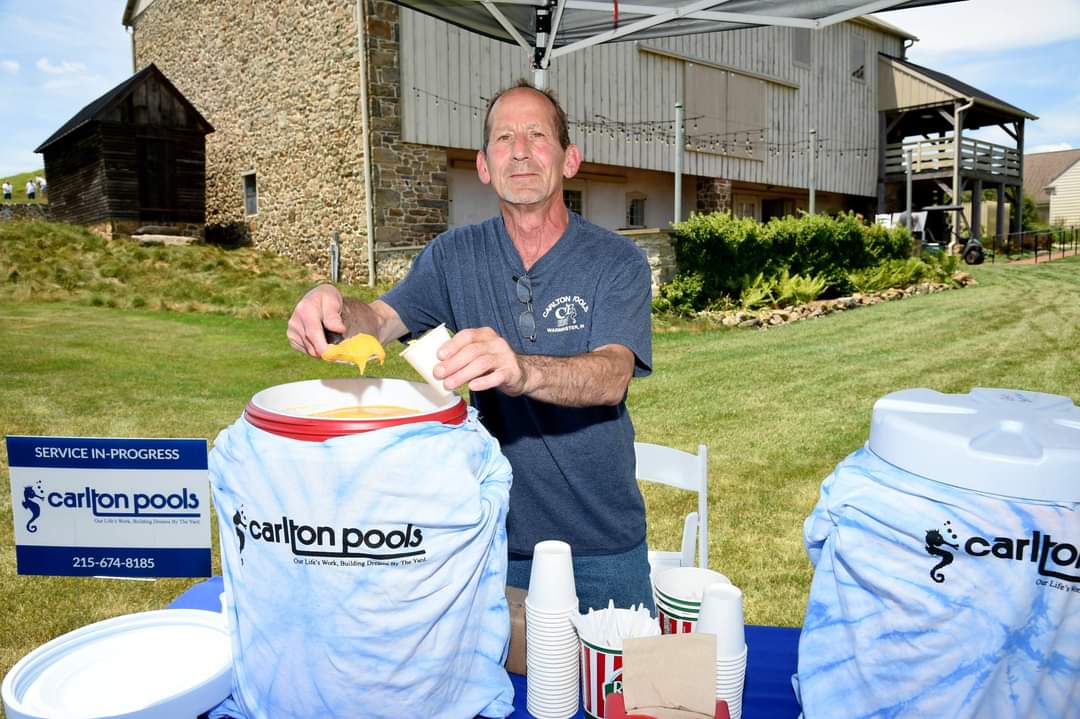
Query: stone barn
(134, 157)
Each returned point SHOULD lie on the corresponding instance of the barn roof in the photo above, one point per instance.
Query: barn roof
(960, 89)
(99, 107)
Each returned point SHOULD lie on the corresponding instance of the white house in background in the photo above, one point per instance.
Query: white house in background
(1064, 192)
(1040, 170)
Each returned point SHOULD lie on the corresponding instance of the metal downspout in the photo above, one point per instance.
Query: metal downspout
(131, 34)
(365, 129)
(958, 113)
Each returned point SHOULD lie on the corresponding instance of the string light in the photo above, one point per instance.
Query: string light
(662, 131)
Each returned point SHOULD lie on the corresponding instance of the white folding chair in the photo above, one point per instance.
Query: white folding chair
(676, 468)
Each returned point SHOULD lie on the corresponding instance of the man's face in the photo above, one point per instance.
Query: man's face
(524, 162)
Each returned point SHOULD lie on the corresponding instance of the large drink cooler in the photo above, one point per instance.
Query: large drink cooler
(947, 568)
(364, 560)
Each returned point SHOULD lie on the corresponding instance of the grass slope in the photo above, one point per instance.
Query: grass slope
(778, 408)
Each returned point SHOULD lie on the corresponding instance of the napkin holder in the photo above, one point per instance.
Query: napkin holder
(668, 677)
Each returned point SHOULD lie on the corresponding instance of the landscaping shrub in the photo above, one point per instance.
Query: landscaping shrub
(783, 290)
(729, 253)
(681, 296)
(722, 250)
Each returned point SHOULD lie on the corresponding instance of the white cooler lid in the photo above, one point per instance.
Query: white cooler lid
(1002, 441)
(165, 664)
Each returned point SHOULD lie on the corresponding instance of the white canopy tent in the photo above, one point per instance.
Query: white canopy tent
(550, 28)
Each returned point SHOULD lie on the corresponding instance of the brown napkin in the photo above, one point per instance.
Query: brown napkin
(671, 676)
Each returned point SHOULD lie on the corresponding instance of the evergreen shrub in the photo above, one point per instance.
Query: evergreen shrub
(809, 254)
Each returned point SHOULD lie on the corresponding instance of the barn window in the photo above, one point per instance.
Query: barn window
(800, 46)
(725, 112)
(635, 209)
(251, 195)
(574, 200)
(858, 57)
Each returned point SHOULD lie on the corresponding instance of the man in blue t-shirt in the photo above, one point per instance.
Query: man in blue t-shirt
(551, 321)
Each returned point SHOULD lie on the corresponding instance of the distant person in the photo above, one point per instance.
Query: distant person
(7, 191)
(42, 186)
(31, 190)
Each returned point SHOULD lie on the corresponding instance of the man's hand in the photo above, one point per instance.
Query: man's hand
(481, 359)
(323, 308)
(318, 310)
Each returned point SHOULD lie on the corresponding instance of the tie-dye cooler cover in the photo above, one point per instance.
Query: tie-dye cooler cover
(366, 573)
(931, 599)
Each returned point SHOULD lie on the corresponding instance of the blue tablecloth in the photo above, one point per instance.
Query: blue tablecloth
(771, 660)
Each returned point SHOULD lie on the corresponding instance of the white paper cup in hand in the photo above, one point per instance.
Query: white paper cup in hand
(421, 355)
(722, 614)
(551, 582)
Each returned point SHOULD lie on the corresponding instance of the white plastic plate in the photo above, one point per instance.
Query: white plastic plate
(165, 664)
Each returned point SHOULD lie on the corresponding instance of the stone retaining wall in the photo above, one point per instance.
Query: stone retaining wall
(771, 317)
(658, 250)
(24, 211)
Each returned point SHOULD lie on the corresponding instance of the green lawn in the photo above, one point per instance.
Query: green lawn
(778, 408)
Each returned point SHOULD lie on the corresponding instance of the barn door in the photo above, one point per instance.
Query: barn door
(157, 178)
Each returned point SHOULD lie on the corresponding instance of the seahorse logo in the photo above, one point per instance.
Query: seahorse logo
(935, 540)
(238, 520)
(29, 495)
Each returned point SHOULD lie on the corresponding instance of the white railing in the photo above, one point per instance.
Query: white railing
(937, 155)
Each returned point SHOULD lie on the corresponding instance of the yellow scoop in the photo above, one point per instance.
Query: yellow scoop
(358, 349)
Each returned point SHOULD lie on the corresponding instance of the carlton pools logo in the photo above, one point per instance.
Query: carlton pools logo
(1060, 560)
(109, 505)
(306, 540)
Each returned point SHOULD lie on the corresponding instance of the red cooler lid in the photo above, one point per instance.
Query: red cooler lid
(286, 410)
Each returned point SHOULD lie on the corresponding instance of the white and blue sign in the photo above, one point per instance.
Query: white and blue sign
(89, 506)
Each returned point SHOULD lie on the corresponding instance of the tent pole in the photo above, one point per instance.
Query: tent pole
(678, 160)
(543, 27)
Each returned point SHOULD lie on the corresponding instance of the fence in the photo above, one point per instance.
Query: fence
(1039, 244)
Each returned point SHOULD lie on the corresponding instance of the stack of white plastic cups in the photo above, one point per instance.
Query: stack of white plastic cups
(550, 638)
(722, 615)
(678, 594)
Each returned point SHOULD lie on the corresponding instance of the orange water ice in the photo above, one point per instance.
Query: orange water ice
(366, 411)
(357, 349)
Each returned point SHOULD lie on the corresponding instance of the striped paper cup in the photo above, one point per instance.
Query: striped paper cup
(675, 622)
(601, 674)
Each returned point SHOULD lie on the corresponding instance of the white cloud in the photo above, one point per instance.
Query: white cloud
(1050, 148)
(9, 66)
(988, 25)
(1056, 125)
(63, 68)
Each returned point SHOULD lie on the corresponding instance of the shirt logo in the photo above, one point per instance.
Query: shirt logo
(567, 311)
(1053, 559)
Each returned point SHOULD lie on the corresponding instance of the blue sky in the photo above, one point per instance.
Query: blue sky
(58, 55)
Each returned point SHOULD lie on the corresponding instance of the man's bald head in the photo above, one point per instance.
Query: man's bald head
(560, 122)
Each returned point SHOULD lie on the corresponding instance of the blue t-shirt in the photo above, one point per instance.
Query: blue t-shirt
(573, 466)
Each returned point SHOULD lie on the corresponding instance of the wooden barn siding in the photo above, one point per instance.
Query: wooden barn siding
(620, 82)
(898, 88)
(119, 152)
(76, 175)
